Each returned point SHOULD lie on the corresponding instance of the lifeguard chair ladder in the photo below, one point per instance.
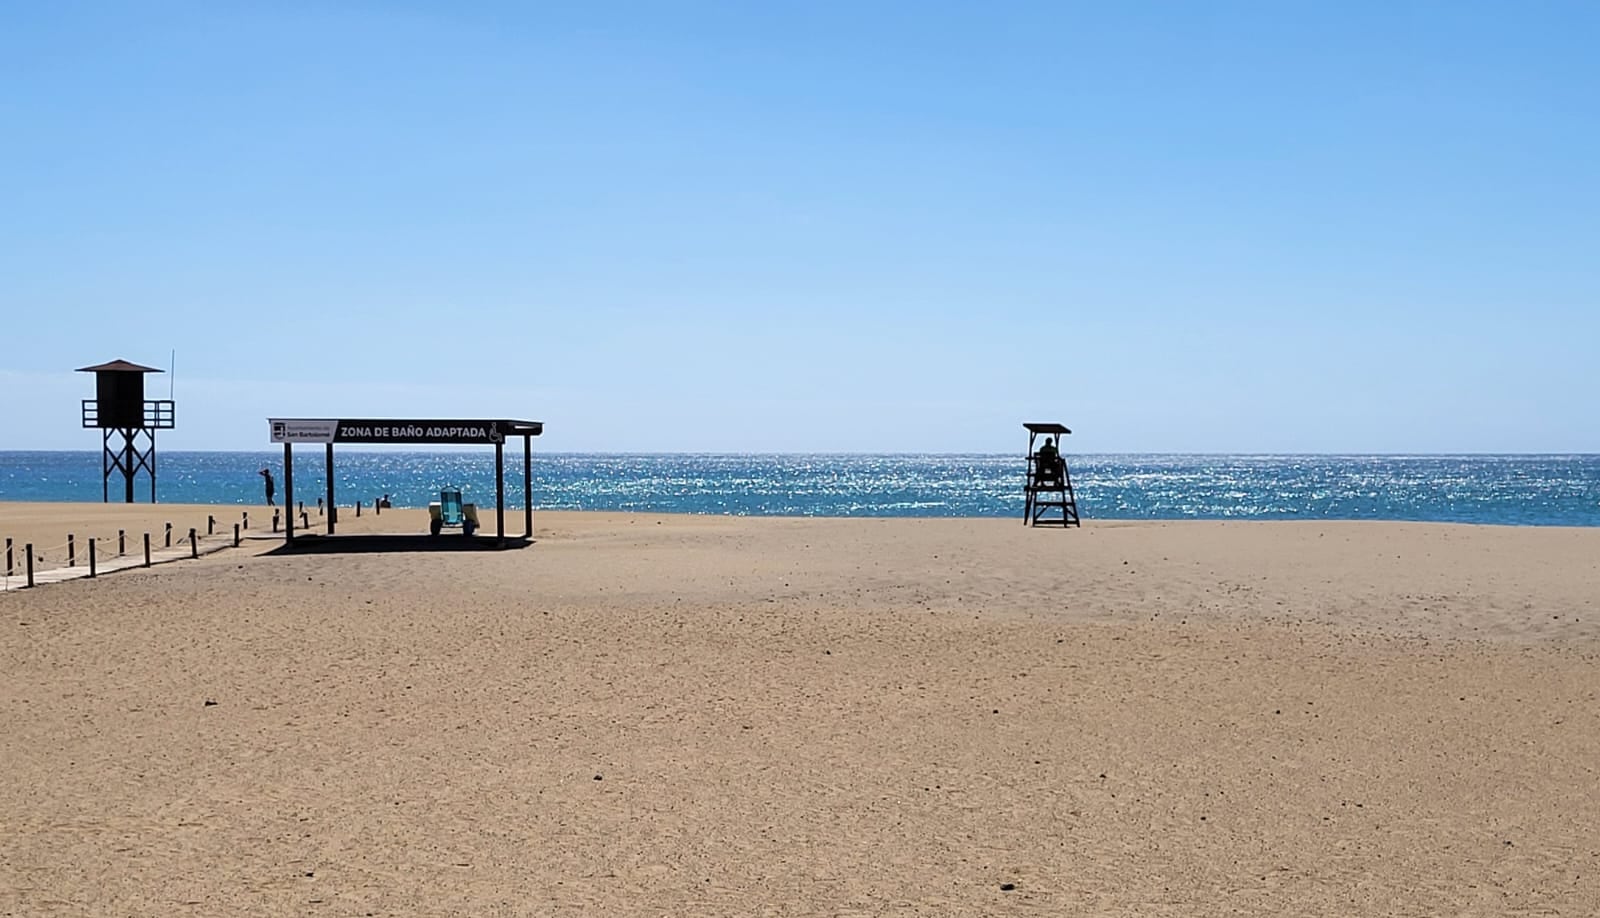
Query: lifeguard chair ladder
(1050, 499)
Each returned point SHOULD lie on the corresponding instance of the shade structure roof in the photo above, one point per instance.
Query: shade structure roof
(118, 366)
(1045, 428)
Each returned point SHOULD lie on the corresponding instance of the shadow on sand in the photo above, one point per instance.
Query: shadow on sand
(364, 544)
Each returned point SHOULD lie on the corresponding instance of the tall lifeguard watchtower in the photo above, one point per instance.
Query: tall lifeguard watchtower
(119, 407)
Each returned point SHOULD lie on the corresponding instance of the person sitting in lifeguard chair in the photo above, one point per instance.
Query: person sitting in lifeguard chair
(1048, 464)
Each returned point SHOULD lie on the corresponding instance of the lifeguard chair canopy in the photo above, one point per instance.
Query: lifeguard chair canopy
(1036, 427)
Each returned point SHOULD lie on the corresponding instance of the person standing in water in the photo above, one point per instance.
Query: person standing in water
(267, 474)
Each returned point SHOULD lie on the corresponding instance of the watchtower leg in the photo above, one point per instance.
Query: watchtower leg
(1027, 484)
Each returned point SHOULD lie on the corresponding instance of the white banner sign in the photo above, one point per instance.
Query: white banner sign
(303, 430)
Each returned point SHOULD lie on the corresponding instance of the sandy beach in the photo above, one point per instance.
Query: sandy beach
(683, 715)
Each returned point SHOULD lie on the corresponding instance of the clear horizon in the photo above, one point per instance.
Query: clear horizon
(308, 450)
(1238, 228)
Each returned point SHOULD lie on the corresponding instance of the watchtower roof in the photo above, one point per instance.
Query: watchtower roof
(1041, 428)
(119, 366)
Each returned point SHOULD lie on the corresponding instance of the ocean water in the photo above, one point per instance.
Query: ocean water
(1516, 490)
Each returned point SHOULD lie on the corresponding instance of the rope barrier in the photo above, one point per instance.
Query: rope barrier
(73, 552)
(54, 557)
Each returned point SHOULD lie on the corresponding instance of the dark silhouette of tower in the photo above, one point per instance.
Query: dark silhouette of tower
(119, 407)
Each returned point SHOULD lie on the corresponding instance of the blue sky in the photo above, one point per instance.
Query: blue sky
(1212, 227)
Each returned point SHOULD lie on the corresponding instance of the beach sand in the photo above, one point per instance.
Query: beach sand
(677, 715)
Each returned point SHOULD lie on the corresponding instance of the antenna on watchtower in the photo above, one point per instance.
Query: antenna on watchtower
(119, 407)
(172, 373)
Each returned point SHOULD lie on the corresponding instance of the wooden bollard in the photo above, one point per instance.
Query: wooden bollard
(377, 507)
(194, 544)
(358, 509)
(274, 521)
(72, 551)
(246, 521)
(91, 557)
(27, 554)
(9, 567)
(304, 522)
(169, 535)
(235, 535)
(147, 549)
(211, 524)
(122, 546)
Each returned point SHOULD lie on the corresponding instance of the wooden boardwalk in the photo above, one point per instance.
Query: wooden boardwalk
(204, 545)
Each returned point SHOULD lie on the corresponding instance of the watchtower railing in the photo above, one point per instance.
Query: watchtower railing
(158, 413)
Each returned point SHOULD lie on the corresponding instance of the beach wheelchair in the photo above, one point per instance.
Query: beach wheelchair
(449, 511)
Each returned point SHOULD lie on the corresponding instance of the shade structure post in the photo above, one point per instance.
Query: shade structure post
(527, 486)
(288, 491)
(333, 511)
(500, 490)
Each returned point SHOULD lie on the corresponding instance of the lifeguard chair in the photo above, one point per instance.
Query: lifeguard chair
(1050, 500)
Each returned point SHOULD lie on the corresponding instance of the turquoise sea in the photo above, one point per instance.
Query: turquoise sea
(1517, 490)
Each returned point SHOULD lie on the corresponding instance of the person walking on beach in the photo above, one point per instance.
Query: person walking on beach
(267, 474)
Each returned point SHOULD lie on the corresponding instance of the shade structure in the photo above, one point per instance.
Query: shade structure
(375, 431)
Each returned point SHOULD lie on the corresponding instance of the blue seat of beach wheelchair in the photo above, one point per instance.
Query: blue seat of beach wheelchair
(450, 511)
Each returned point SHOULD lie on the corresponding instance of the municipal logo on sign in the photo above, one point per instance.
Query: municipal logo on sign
(303, 430)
